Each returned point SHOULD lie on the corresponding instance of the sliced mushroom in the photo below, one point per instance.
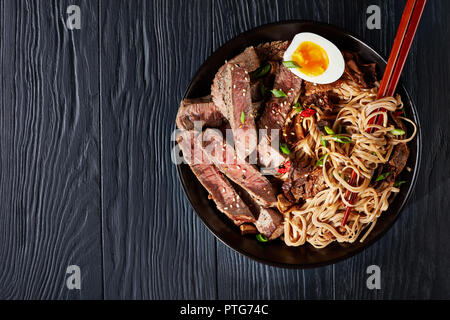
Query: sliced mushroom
(248, 229)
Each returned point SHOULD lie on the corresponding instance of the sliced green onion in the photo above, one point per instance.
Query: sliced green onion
(261, 238)
(285, 148)
(298, 107)
(328, 130)
(262, 71)
(398, 183)
(291, 64)
(243, 117)
(323, 141)
(383, 176)
(319, 162)
(278, 93)
(341, 139)
(397, 132)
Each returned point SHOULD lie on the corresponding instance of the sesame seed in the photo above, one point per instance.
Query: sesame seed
(237, 205)
(234, 86)
(226, 208)
(231, 206)
(244, 90)
(223, 189)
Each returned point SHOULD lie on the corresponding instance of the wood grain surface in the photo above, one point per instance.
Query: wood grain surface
(49, 141)
(86, 176)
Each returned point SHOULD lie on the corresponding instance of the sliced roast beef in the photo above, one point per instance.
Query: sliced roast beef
(315, 88)
(240, 172)
(247, 60)
(304, 183)
(200, 109)
(270, 223)
(269, 157)
(272, 51)
(231, 94)
(277, 109)
(220, 189)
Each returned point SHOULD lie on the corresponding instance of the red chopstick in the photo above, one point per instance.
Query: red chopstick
(402, 44)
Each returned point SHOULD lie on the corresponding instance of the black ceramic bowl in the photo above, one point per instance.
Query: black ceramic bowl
(276, 253)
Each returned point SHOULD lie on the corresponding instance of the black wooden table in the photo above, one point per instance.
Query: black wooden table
(85, 172)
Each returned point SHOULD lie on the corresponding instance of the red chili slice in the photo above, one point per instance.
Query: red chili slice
(286, 167)
(308, 112)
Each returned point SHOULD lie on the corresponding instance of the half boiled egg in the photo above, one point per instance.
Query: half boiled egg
(314, 58)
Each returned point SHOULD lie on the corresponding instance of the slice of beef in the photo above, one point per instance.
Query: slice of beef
(270, 223)
(200, 109)
(239, 171)
(269, 158)
(304, 183)
(364, 74)
(231, 94)
(272, 51)
(248, 60)
(277, 109)
(220, 189)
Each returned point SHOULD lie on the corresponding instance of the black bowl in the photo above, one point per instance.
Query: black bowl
(276, 253)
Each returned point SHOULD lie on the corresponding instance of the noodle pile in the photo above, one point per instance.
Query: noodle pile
(318, 220)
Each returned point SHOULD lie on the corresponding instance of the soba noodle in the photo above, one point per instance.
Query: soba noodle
(318, 220)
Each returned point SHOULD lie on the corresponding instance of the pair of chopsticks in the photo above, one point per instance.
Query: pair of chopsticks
(402, 43)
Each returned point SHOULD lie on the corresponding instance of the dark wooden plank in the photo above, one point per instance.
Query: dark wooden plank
(154, 245)
(413, 256)
(238, 276)
(49, 166)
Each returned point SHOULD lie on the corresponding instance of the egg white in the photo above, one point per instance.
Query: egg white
(336, 64)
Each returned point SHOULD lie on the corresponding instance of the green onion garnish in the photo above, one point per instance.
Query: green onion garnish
(262, 71)
(397, 132)
(323, 141)
(341, 139)
(285, 148)
(398, 183)
(261, 238)
(291, 64)
(278, 93)
(319, 162)
(383, 176)
(328, 130)
(298, 107)
(243, 117)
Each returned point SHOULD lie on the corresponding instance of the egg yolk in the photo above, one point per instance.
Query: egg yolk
(312, 59)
